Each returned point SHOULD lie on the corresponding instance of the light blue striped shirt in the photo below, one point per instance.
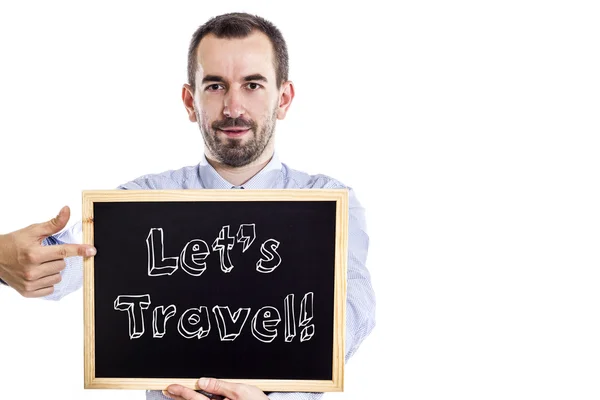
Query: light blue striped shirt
(360, 309)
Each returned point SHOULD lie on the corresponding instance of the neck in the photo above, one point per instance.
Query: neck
(239, 175)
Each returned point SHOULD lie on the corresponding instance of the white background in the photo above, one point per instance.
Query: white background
(469, 130)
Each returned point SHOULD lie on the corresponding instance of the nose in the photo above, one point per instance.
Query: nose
(233, 107)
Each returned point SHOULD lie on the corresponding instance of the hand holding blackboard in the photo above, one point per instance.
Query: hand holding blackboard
(215, 389)
(31, 268)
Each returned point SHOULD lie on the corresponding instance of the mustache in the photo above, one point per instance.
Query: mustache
(233, 123)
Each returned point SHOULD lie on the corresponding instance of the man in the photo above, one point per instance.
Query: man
(237, 88)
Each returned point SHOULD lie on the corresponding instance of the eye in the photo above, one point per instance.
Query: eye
(253, 86)
(214, 87)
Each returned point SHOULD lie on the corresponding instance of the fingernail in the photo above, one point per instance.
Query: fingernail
(203, 382)
(166, 394)
(90, 251)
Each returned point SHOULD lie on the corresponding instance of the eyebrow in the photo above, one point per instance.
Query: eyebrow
(249, 78)
(255, 77)
(212, 78)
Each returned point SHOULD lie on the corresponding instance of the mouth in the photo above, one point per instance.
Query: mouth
(234, 132)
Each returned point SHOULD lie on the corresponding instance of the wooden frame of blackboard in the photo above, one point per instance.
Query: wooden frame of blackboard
(339, 196)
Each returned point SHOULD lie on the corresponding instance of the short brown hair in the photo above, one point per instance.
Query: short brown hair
(240, 25)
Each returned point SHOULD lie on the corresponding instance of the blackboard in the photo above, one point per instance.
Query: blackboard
(242, 285)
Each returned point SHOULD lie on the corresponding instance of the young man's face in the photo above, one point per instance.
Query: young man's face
(236, 101)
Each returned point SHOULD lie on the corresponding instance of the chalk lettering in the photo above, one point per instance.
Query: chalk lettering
(157, 263)
(246, 235)
(223, 244)
(192, 255)
(194, 322)
(134, 306)
(272, 258)
(160, 316)
(264, 322)
(289, 317)
(230, 325)
(306, 315)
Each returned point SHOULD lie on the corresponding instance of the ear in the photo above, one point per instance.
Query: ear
(285, 99)
(187, 95)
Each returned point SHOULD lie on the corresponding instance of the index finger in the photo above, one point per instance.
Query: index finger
(60, 251)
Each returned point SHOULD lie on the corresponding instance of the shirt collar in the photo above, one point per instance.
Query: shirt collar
(265, 178)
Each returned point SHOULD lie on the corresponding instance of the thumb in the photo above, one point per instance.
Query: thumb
(216, 386)
(55, 225)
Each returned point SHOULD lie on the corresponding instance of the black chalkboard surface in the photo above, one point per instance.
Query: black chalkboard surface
(241, 285)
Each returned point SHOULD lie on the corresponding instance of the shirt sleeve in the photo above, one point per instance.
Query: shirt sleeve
(360, 300)
(294, 396)
(360, 297)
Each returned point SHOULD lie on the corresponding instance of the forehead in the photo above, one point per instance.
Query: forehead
(236, 57)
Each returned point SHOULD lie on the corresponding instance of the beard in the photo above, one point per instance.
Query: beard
(237, 152)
